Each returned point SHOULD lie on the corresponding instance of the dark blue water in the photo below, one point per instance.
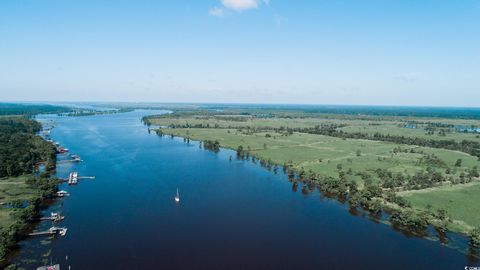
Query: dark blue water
(232, 215)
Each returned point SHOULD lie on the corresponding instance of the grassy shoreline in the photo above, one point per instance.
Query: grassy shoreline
(373, 175)
(258, 153)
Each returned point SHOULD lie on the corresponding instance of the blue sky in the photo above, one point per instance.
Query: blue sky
(388, 52)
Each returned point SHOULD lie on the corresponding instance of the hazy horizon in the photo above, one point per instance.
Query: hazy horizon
(393, 53)
(248, 104)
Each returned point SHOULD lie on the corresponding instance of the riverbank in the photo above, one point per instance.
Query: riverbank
(23, 188)
(373, 173)
(363, 195)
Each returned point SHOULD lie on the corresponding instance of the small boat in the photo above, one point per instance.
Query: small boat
(63, 231)
(62, 193)
(60, 230)
(177, 197)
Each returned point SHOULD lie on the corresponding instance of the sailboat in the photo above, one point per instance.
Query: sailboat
(177, 197)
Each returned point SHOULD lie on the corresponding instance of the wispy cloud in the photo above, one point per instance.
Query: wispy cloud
(236, 5)
(279, 19)
(216, 11)
(408, 77)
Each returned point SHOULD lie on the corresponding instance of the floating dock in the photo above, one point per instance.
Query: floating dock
(52, 231)
(55, 217)
(73, 178)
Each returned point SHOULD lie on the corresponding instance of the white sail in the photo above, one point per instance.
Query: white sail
(177, 197)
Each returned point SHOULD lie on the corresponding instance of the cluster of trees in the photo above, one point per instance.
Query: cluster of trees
(211, 145)
(424, 179)
(373, 198)
(20, 149)
(475, 238)
(432, 160)
(240, 151)
(410, 220)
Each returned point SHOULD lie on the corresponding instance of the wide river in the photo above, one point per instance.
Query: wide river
(232, 214)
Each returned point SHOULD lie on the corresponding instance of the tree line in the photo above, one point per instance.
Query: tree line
(30, 109)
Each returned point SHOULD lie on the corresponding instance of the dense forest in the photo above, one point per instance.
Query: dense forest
(20, 148)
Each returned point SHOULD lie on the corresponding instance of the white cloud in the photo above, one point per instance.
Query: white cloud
(216, 11)
(240, 5)
(236, 5)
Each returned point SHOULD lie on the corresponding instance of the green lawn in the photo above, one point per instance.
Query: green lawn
(462, 202)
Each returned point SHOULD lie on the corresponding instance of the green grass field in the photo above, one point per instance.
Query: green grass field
(245, 121)
(11, 189)
(370, 126)
(462, 202)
